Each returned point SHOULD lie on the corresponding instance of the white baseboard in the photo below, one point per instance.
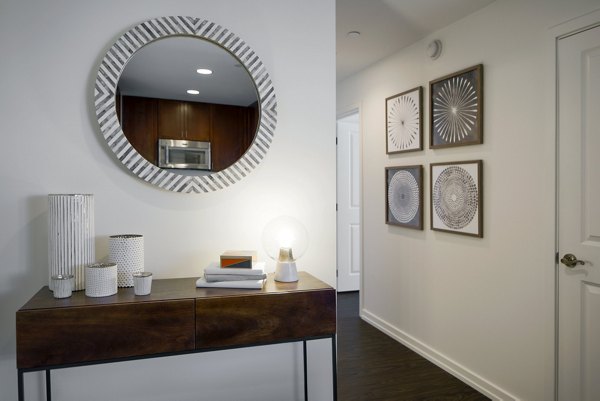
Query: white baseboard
(450, 366)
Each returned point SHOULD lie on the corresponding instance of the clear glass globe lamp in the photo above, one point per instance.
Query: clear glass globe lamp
(285, 239)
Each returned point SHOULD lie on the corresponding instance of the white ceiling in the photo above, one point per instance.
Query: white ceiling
(386, 26)
(166, 68)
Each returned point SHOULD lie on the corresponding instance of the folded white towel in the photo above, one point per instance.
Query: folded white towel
(250, 284)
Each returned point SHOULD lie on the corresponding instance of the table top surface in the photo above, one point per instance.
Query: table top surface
(172, 289)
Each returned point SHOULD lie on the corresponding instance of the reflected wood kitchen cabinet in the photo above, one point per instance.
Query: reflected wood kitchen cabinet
(198, 120)
(170, 119)
(138, 117)
(229, 131)
(183, 120)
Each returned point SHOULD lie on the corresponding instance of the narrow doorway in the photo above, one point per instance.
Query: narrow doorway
(578, 225)
(349, 242)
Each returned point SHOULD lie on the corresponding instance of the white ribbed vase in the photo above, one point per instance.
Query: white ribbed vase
(70, 236)
(127, 251)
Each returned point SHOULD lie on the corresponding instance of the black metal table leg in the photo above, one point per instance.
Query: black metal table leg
(48, 386)
(305, 372)
(334, 366)
(20, 384)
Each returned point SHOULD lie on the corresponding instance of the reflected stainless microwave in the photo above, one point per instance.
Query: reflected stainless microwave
(192, 155)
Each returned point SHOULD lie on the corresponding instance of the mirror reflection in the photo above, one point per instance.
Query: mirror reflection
(185, 103)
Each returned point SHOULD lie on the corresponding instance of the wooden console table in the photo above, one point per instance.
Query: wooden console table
(176, 318)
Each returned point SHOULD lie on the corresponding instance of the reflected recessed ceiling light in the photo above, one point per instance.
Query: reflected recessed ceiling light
(204, 71)
(193, 92)
(353, 34)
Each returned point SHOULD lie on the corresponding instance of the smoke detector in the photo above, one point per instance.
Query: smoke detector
(434, 49)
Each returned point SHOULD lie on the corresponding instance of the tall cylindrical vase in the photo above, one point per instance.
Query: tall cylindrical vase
(127, 251)
(70, 236)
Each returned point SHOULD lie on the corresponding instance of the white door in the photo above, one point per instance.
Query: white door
(348, 203)
(579, 216)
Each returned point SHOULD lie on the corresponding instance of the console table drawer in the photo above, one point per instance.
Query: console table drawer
(264, 318)
(58, 336)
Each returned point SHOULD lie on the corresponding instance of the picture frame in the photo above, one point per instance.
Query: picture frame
(404, 121)
(456, 197)
(404, 196)
(456, 109)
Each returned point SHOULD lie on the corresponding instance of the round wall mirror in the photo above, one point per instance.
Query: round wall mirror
(185, 104)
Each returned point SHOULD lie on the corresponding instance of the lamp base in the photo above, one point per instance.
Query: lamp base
(286, 272)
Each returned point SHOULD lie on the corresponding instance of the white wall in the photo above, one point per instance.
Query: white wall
(49, 54)
(483, 308)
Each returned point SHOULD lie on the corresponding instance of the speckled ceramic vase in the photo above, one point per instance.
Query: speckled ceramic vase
(127, 251)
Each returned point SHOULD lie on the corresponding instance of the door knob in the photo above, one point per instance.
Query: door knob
(571, 260)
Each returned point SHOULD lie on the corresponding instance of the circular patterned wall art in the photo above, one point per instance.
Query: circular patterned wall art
(455, 197)
(403, 196)
(456, 105)
(455, 108)
(403, 121)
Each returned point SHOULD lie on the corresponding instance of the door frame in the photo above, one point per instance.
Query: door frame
(563, 30)
(341, 113)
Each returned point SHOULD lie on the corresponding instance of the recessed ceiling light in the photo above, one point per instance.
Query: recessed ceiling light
(353, 34)
(193, 92)
(204, 71)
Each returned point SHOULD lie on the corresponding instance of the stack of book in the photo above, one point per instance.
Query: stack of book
(234, 271)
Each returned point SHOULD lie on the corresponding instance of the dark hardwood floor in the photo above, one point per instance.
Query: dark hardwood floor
(374, 367)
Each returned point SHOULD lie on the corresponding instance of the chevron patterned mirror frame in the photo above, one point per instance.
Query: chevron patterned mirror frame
(105, 90)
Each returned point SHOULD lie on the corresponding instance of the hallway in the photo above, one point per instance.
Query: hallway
(375, 367)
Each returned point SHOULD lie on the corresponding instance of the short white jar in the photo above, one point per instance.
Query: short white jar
(101, 279)
(63, 285)
(142, 283)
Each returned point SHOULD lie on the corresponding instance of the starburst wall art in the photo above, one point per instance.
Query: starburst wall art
(404, 121)
(456, 109)
(404, 196)
(456, 197)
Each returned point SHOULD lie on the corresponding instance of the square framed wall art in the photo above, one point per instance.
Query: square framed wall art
(456, 109)
(404, 121)
(404, 196)
(457, 197)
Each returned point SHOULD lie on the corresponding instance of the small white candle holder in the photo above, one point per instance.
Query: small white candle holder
(63, 285)
(142, 283)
